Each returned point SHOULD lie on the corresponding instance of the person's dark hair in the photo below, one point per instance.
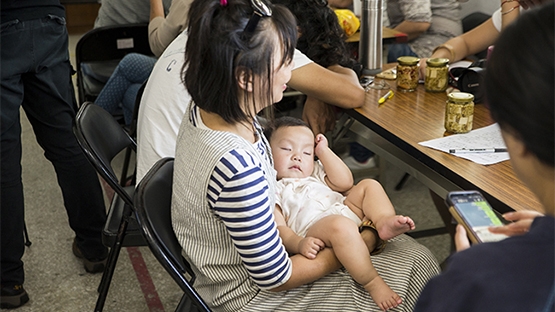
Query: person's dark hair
(216, 49)
(285, 121)
(520, 84)
(321, 37)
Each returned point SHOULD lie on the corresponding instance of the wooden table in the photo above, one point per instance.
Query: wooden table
(388, 36)
(397, 126)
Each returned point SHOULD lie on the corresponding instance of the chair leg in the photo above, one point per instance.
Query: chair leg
(402, 182)
(185, 304)
(125, 168)
(111, 262)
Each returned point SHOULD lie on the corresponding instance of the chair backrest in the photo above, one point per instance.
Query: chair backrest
(103, 47)
(153, 203)
(101, 137)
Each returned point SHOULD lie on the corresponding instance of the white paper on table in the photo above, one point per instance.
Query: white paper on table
(486, 137)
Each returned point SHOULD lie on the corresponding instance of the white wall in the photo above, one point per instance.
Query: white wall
(485, 6)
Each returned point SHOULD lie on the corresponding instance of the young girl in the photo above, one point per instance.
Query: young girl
(312, 211)
(238, 60)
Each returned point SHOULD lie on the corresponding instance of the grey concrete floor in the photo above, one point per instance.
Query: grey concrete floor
(57, 281)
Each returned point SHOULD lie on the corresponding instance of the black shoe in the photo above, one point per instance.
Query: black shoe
(13, 297)
(91, 265)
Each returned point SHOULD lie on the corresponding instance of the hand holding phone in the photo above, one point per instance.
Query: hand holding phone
(472, 211)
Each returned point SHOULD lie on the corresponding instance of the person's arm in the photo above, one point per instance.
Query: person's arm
(295, 244)
(342, 4)
(471, 42)
(338, 176)
(306, 271)
(156, 9)
(162, 31)
(413, 29)
(335, 85)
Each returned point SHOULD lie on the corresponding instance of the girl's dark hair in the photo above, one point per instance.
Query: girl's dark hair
(520, 84)
(216, 48)
(321, 37)
(285, 121)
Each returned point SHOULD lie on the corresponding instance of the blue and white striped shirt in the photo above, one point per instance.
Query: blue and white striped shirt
(238, 193)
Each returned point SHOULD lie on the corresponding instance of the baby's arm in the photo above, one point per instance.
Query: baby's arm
(338, 176)
(294, 244)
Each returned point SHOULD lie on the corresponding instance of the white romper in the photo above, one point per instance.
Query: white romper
(304, 201)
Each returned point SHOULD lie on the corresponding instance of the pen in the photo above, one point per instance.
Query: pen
(386, 97)
(477, 150)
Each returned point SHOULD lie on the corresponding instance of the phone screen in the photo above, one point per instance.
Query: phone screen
(477, 214)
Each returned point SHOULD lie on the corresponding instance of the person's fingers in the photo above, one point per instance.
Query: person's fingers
(422, 68)
(520, 215)
(461, 239)
(516, 228)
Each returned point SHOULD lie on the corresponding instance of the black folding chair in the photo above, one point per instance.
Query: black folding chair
(153, 204)
(99, 51)
(102, 138)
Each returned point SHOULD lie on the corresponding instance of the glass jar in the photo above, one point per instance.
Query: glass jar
(437, 74)
(459, 112)
(407, 73)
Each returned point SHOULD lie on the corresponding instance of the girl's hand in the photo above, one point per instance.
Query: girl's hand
(310, 246)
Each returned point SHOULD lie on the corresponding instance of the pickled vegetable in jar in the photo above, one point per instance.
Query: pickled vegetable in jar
(459, 112)
(437, 74)
(407, 73)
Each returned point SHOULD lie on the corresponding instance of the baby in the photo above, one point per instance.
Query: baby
(318, 206)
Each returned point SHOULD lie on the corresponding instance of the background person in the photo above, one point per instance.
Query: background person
(121, 12)
(515, 274)
(427, 23)
(36, 76)
(481, 37)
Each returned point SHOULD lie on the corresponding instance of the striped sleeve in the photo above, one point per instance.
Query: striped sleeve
(238, 193)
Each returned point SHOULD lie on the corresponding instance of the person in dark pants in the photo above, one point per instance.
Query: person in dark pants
(36, 75)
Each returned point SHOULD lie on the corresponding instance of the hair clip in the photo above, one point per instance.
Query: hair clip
(223, 2)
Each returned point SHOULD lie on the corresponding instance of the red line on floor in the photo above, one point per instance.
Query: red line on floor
(145, 281)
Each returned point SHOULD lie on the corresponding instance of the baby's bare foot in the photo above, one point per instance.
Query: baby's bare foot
(383, 296)
(395, 225)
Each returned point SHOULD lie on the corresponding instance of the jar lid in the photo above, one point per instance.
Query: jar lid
(408, 60)
(461, 97)
(437, 61)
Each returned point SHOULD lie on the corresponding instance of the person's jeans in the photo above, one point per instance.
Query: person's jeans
(36, 75)
(398, 49)
(124, 84)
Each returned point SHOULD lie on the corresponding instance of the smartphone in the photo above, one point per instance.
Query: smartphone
(471, 210)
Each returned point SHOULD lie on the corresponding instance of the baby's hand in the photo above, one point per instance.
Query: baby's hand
(310, 246)
(321, 143)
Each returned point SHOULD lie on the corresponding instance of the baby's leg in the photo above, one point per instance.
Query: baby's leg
(341, 234)
(369, 201)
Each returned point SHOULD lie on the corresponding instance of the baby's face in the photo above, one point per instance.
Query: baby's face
(293, 151)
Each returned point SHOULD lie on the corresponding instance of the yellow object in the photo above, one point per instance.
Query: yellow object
(386, 97)
(348, 21)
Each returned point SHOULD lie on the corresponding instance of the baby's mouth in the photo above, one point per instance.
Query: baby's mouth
(295, 168)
